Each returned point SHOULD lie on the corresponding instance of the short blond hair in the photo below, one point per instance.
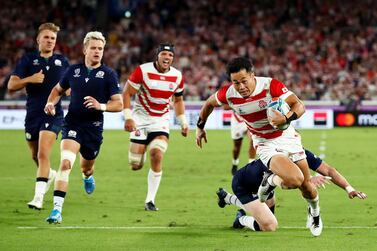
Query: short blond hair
(48, 26)
(94, 35)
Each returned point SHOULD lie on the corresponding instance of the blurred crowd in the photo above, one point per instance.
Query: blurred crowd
(322, 50)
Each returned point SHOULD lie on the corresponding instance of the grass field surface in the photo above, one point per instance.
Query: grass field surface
(113, 217)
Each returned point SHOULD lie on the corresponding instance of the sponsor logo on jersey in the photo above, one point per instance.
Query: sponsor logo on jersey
(58, 62)
(86, 80)
(97, 123)
(46, 125)
(72, 134)
(100, 74)
(47, 67)
(35, 62)
(284, 90)
(77, 73)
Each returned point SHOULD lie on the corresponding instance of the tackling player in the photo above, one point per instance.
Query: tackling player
(94, 90)
(280, 151)
(154, 84)
(245, 186)
(39, 72)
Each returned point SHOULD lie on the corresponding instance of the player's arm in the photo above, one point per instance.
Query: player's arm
(179, 108)
(297, 107)
(206, 110)
(128, 92)
(53, 99)
(16, 83)
(339, 180)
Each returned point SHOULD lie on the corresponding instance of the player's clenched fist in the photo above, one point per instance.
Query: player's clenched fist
(50, 109)
(37, 77)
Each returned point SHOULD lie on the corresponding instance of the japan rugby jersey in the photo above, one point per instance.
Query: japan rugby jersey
(155, 89)
(254, 108)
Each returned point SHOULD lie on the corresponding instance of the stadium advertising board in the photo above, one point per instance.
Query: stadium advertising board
(359, 119)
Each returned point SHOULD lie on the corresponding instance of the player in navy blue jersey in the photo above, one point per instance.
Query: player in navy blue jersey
(39, 72)
(245, 187)
(94, 89)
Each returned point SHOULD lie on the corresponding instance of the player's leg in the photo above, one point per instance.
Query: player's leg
(68, 151)
(252, 151)
(33, 146)
(237, 144)
(137, 155)
(46, 142)
(87, 169)
(157, 148)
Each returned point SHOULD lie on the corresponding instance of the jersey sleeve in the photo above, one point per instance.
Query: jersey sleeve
(113, 84)
(136, 78)
(21, 67)
(64, 80)
(313, 161)
(220, 95)
(181, 86)
(278, 89)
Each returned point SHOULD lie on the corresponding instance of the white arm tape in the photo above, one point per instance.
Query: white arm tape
(182, 119)
(349, 189)
(127, 113)
(103, 107)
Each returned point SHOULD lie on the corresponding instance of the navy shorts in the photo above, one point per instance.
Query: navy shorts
(89, 137)
(36, 124)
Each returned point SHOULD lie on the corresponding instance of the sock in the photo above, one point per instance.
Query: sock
(153, 184)
(40, 186)
(275, 180)
(314, 206)
(235, 162)
(250, 222)
(231, 199)
(59, 200)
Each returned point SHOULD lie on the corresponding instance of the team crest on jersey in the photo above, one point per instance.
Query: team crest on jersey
(35, 62)
(77, 73)
(72, 134)
(100, 74)
(58, 62)
(262, 104)
(171, 86)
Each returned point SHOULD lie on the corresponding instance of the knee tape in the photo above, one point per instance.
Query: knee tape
(68, 155)
(160, 144)
(63, 175)
(136, 158)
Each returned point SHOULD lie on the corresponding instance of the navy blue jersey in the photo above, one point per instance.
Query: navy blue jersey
(250, 176)
(53, 68)
(100, 83)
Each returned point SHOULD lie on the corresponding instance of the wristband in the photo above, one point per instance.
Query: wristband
(291, 118)
(103, 107)
(201, 123)
(127, 114)
(349, 189)
(182, 119)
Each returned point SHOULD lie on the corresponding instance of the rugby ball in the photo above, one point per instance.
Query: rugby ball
(281, 106)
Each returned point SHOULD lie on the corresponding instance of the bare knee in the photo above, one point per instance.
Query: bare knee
(42, 156)
(294, 181)
(136, 160)
(269, 226)
(135, 167)
(65, 165)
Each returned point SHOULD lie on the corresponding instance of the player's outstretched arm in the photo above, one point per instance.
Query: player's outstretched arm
(297, 107)
(179, 109)
(128, 92)
(339, 180)
(206, 110)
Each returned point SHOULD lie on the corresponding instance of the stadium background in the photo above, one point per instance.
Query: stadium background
(325, 51)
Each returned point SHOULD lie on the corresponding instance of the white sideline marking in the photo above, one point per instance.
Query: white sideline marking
(151, 227)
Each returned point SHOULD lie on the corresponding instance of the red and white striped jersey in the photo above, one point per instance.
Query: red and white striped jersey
(254, 108)
(237, 117)
(155, 89)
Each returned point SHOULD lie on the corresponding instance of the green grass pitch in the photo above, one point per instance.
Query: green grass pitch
(113, 217)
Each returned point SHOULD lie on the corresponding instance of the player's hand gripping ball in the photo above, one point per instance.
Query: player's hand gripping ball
(281, 106)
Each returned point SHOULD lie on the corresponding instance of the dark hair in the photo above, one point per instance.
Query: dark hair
(238, 64)
(165, 47)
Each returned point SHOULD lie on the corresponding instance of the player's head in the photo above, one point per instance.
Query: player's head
(165, 56)
(46, 39)
(240, 73)
(94, 44)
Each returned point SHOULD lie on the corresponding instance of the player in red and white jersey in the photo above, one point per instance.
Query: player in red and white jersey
(154, 84)
(280, 151)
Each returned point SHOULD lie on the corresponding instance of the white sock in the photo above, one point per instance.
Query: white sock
(235, 162)
(153, 184)
(58, 203)
(231, 199)
(247, 221)
(314, 206)
(40, 189)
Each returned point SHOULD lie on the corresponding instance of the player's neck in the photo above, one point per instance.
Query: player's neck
(159, 68)
(92, 65)
(45, 54)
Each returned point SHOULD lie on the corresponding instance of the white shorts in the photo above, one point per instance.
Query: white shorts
(147, 124)
(288, 144)
(237, 129)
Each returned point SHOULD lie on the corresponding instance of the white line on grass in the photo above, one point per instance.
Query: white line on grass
(171, 228)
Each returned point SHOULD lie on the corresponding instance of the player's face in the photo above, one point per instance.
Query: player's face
(164, 60)
(46, 41)
(243, 82)
(93, 52)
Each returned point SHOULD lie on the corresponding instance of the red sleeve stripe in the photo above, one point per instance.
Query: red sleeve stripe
(154, 76)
